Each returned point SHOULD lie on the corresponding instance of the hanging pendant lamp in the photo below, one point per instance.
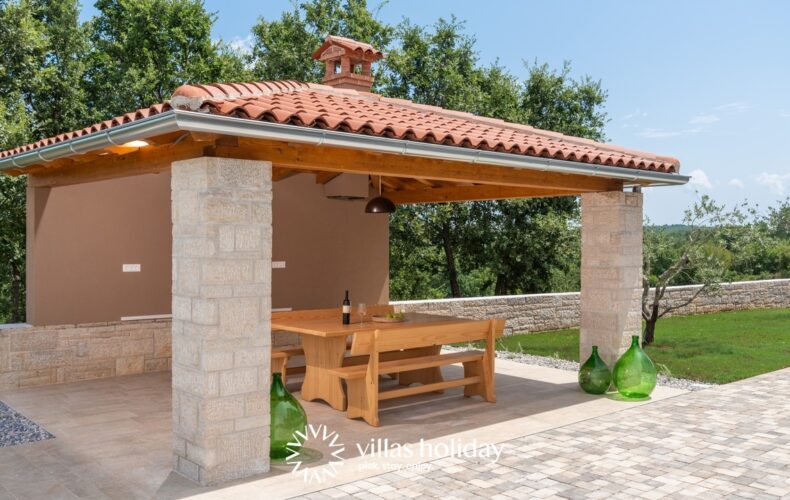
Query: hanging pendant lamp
(380, 204)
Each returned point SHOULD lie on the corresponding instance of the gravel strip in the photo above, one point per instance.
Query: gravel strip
(564, 364)
(15, 428)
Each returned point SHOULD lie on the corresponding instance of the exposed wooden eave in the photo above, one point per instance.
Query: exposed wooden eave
(407, 179)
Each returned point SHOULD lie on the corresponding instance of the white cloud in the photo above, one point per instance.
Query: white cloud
(736, 183)
(704, 119)
(784, 114)
(776, 183)
(638, 113)
(242, 45)
(699, 179)
(734, 107)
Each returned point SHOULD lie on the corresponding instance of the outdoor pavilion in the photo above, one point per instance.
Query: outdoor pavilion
(223, 149)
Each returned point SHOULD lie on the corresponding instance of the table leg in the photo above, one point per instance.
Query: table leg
(321, 353)
(426, 375)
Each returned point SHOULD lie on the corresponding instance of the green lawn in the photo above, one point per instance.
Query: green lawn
(718, 348)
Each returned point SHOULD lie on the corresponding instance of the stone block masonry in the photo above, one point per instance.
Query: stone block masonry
(222, 244)
(611, 272)
(555, 311)
(32, 356)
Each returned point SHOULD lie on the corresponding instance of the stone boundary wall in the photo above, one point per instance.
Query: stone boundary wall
(555, 311)
(33, 356)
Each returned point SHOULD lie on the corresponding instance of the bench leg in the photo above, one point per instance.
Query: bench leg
(485, 388)
(357, 402)
(279, 365)
(371, 381)
(362, 401)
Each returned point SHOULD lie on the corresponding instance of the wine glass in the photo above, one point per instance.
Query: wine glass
(362, 310)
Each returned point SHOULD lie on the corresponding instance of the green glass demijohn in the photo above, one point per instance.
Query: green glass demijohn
(634, 373)
(594, 375)
(288, 417)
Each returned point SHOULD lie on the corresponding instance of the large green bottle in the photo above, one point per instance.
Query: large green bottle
(287, 418)
(634, 373)
(594, 375)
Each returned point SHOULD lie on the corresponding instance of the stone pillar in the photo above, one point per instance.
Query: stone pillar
(222, 244)
(611, 273)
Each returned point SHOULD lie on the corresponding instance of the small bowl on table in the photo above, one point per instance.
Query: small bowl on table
(385, 319)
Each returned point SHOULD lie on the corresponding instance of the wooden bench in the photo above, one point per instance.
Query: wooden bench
(282, 354)
(280, 357)
(363, 380)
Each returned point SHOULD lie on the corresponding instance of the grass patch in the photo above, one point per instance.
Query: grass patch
(718, 347)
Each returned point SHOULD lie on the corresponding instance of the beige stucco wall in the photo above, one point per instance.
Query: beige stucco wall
(329, 246)
(80, 236)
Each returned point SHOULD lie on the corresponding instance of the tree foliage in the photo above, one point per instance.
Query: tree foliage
(14, 129)
(704, 254)
(500, 247)
(142, 50)
(283, 48)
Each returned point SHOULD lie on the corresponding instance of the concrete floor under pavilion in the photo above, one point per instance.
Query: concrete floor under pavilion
(112, 436)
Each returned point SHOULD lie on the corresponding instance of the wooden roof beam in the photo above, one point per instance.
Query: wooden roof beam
(333, 159)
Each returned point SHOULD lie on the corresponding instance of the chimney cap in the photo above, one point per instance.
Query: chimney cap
(348, 63)
(352, 48)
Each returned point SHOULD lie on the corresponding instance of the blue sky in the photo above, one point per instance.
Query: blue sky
(704, 81)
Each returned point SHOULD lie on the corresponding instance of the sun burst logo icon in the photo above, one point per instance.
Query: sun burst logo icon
(320, 437)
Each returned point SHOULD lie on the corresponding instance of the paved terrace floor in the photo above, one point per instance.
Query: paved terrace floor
(732, 441)
(113, 435)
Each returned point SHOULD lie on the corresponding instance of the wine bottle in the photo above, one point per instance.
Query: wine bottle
(346, 310)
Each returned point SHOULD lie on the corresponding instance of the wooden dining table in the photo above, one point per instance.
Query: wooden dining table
(324, 341)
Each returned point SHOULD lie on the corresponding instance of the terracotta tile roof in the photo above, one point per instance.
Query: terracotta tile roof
(322, 106)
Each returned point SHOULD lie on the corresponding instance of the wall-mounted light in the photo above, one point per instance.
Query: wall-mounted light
(380, 204)
(135, 144)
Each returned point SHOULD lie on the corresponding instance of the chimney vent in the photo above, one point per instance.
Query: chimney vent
(348, 63)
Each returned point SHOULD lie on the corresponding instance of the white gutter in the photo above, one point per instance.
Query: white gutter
(192, 121)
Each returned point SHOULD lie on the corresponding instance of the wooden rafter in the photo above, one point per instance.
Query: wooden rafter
(426, 182)
(391, 182)
(280, 173)
(324, 177)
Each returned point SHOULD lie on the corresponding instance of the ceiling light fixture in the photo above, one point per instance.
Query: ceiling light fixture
(380, 204)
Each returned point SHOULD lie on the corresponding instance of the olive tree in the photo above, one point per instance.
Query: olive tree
(700, 252)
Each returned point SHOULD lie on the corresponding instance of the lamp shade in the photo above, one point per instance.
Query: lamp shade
(380, 205)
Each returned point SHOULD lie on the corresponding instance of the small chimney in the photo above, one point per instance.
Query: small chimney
(348, 63)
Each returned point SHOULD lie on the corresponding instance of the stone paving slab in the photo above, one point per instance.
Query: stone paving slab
(730, 441)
